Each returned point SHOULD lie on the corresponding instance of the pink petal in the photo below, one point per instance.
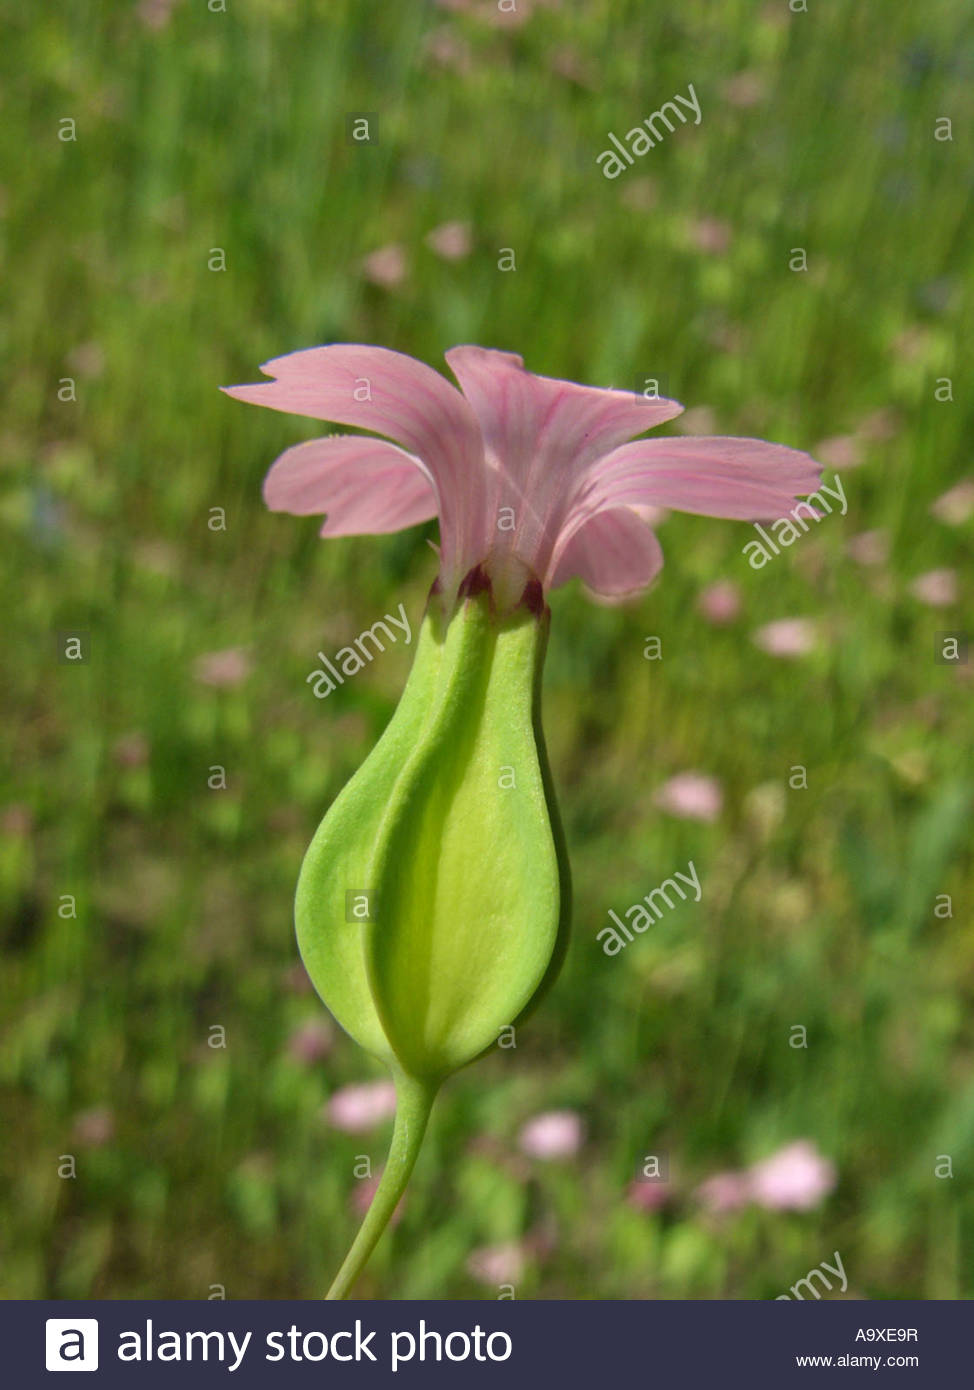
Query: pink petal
(786, 637)
(720, 602)
(553, 1134)
(358, 1108)
(366, 486)
(614, 553)
(539, 433)
(938, 588)
(746, 479)
(796, 1178)
(691, 796)
(376, 389)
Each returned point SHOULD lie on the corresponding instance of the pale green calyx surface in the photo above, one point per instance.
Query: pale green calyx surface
(448, 836)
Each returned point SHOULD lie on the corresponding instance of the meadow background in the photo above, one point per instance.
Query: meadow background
(199, 128)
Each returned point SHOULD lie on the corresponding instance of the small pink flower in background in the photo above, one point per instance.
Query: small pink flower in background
(311, 1041)
(878, 426)
(497, 1264)
(869, 548)
(155, 14)
(357, 1109)
(720, 603)
(451, 240)
(557, 461)
(691, 796)
(796, 1178)
(724, 1192)
(386, 267)
(94, 1128)
(956, 505)
(936, 588)
(223, 669)
(447, 49)
(788, 637)
(744, 89)
(554, 1134)
(648, 1196)
(710, 235)
(841, 451)
(131, 750)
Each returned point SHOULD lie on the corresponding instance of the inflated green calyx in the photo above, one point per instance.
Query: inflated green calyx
(447, 841)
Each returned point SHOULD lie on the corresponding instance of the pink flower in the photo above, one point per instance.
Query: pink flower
(788, 637)
(720, 603)
(451, 240)
(956, 505)
(796, 1178)
(310, 1042)
(554, 1134)
(497, 1264)
(386, 267)
(691, 796)
(724, 1192)
(648, 1196)
(357, 1109)
(95, 1127)
(869, 547)
(937, 588)
(531, 477)
(222, 669)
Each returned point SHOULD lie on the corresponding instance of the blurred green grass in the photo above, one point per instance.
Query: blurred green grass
(198, 130)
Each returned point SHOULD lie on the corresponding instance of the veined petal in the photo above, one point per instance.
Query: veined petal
(377, 389)
(539, 433)
(746, 479)
(614, 553)
(365, 486)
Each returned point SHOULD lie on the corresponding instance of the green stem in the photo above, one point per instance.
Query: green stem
(414, 1101)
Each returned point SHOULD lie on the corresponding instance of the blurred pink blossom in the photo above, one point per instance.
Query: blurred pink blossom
(311, 1041)
(796, 1178)
(647, 1196)
(94, 1128)
(497, 1264)
(956, 505)
(553, 1134)
(744, 89)
(869, 548)
(724, 1192)
(386, 267)
(936, 588)
(155, 14)
(720, 602)
(691, 796)
(451, 240)
(841, 451)
(787, 637)
(222, 669)
(710, 235)
(357, 1109)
